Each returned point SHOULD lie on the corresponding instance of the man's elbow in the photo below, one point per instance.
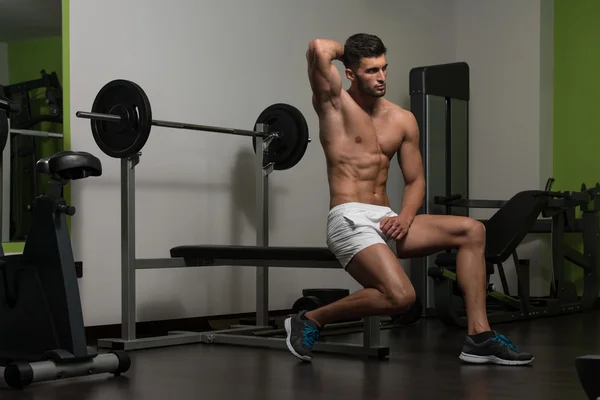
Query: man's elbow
(315, 47)
(417, 182)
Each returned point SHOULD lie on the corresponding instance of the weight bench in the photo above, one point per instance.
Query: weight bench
(257, 256)
(262, 257)
(283, 257)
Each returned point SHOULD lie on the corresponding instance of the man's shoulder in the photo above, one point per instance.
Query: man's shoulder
(400, 112)
(403, 117)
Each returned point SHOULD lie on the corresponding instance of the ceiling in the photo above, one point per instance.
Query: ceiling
(29, 19)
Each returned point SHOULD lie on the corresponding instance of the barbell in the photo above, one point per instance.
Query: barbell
(121, 120)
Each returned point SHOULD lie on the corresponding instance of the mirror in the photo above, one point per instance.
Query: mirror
(30, 78)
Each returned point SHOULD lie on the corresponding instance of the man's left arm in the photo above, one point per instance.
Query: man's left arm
(411, 165)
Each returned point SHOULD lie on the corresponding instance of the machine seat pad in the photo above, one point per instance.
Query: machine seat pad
(507, 228)
(70, 165)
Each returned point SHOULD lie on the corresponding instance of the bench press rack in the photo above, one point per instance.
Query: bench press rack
(261, 256)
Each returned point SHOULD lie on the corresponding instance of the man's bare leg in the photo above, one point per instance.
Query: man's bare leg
(387, 289)
(433, 233)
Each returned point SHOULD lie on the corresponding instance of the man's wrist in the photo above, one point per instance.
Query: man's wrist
(407, 213)
(339, 52)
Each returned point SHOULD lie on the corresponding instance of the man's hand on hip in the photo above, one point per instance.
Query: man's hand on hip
(396, 227)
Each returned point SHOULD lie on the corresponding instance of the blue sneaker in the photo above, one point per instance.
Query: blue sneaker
(496, 349)
(302, 333)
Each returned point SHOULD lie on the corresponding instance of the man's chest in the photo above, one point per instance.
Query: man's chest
(388, 135)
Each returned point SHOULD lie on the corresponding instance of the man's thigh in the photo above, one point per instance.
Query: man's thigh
(430, 234)
(378, 267)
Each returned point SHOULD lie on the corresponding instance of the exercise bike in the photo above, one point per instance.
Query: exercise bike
(42, 335)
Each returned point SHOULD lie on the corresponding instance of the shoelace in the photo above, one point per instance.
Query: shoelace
(503, 340)
(310, 335)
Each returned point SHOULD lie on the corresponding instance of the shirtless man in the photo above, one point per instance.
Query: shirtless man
(360, 132)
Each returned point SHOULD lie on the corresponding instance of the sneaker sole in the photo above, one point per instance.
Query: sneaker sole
(473, 359)
(288, 329)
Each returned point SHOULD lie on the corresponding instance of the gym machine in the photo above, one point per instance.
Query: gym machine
(121, 119)
(19, 94)
(42, 334)
(505, 231)
(439, 100)
(36, 101)
(16, 215)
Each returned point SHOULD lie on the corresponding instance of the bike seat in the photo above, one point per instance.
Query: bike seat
(70, 165)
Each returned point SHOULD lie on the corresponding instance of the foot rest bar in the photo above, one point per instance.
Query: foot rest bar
(279, 343)
(151, 342)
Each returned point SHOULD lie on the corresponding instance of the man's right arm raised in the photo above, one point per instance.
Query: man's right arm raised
(325, 79)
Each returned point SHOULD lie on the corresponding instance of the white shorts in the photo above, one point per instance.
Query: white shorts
(352, 227)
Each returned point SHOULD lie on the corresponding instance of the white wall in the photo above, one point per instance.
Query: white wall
(219, 63)
(3, 64)
(508, 45)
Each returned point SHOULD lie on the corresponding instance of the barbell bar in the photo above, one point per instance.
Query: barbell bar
(29, 132)
(177, 125)
(121, 119)
(5, 130)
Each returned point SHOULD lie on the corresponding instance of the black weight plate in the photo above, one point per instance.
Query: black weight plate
(306, 303)
(327, 296)
(411, 315)
(4, 130)
(125, 138)
(287, 150)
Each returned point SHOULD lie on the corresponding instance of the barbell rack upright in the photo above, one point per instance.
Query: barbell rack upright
(130, 263)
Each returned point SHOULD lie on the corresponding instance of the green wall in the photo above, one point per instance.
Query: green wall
(576, 101)
(576, 93)
(27, 58)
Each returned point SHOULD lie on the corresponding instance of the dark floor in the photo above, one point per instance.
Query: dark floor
(423, 365)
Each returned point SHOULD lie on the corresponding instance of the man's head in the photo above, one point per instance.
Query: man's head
(366, 64)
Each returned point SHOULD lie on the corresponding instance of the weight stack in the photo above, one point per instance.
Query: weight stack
(439, 100)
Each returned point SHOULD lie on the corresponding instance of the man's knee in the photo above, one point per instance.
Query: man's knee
(475, 232)
(400, 299)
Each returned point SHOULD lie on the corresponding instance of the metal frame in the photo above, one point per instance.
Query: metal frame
(450, 307)
(5, 190)
(238, 335)
(440, 101)
(30, 132)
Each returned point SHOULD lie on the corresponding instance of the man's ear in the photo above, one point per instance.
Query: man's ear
(350, 74)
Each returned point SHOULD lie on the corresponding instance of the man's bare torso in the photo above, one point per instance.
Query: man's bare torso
(358, 148)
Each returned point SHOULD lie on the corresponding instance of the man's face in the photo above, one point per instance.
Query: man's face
(370, 76)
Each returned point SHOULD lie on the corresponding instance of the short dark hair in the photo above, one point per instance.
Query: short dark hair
(362, 45)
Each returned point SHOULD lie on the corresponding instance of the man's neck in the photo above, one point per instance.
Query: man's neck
(368, 103)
